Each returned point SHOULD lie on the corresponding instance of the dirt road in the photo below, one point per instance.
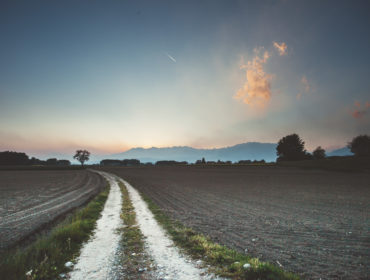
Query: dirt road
(97, 259)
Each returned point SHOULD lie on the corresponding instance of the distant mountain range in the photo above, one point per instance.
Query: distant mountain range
(340, 152)
(245, 151)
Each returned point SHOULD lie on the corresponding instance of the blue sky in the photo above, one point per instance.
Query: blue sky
(100, 74)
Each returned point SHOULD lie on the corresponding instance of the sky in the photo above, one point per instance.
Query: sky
(108, 76)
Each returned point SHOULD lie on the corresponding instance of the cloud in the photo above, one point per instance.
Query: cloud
(306, 85)
(360, 111)
(171, 57)
(357, 104)
(281, 48)
(256, 91)
(357, 114)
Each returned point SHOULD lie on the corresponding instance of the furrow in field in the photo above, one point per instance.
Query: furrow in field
(33, 212)
(313, 222)
(44, 200)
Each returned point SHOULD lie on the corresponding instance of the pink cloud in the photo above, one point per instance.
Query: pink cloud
(256, 90)
(305, 83)
(357, 114)
(357, 104)
(305, 87)
(281, 48)
(360, 111)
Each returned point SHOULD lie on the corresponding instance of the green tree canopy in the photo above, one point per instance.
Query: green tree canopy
(360, 145)
(82, 156)
(319, 153)
(291, 147)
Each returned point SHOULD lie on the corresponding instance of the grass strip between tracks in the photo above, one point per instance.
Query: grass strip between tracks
(223, 261)
(135, 261)
(46, 257)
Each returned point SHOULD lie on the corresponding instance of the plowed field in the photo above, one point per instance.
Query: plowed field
(31, 199)
(315, 223)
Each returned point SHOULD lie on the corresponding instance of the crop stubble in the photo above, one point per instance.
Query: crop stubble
(31, 199)
(312, 222)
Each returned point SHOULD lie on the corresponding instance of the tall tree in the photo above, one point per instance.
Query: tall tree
(291, 147)
(360, 145)
(318, 153)
(82, 156)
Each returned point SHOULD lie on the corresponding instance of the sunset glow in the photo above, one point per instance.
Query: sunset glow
(116, 75)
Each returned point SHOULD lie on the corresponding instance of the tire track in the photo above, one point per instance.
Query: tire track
(98, 256)
(170, 263)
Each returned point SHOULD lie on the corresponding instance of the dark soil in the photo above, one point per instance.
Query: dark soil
(314, 223)
(30, 200)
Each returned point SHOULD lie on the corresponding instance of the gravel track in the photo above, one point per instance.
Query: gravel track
(170, 263)
(314, 223)
(97, 256)
(31, 199)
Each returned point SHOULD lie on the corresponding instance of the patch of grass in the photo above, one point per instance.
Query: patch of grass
(135, 261)
(46, 257)
(224, 262)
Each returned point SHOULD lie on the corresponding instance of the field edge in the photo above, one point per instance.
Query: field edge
(45, 258)
(219, 259)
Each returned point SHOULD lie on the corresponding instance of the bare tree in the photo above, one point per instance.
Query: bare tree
(82, 156)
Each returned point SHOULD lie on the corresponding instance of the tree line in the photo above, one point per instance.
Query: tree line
(291, 147)
(117, 162)
(16, 158)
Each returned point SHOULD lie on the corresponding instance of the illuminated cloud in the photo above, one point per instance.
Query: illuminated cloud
(305, 87)
(256, 91)
(360, 111)
(281, 48)
(357, 114)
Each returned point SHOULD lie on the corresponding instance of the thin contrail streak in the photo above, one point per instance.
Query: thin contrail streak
(171, 57)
